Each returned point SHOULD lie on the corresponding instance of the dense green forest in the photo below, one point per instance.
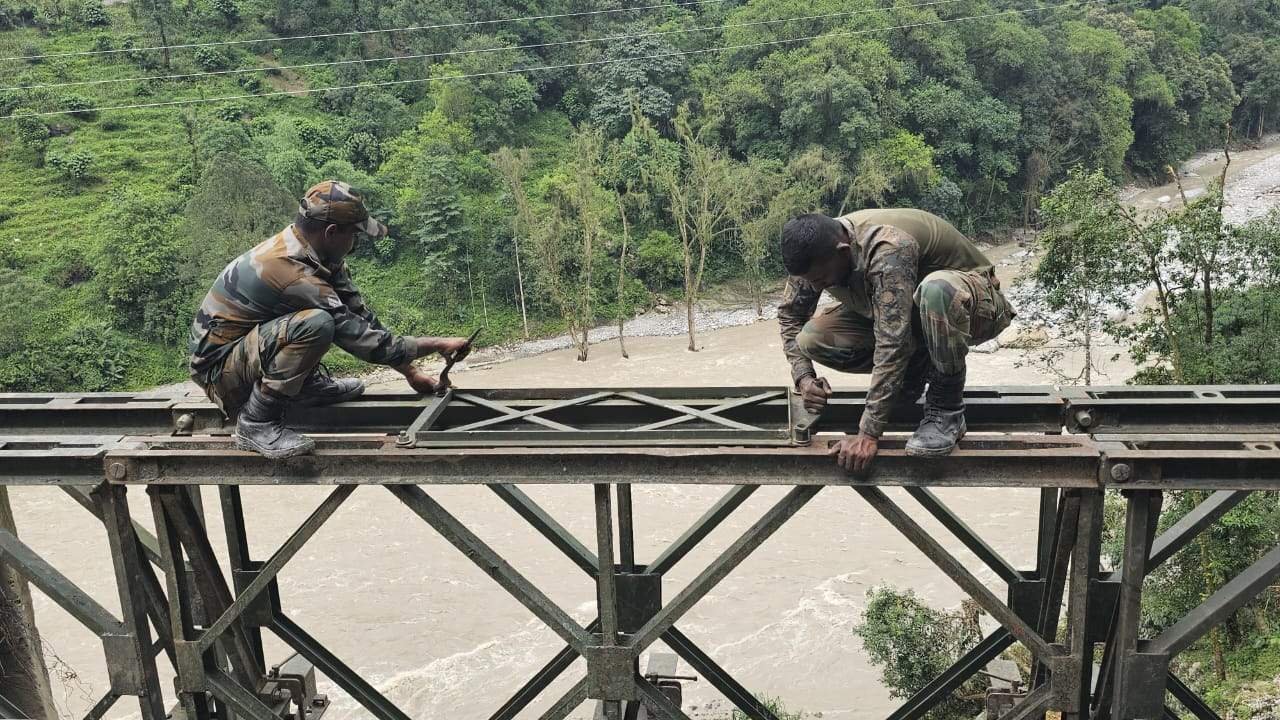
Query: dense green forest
(547, 166)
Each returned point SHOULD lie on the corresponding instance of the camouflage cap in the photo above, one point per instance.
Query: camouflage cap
(339, 203)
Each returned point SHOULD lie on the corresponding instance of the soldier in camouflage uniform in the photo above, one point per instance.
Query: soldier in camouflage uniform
(914, 294)
(257, 340)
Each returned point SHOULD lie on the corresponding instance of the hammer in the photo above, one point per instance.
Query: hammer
(442, 385)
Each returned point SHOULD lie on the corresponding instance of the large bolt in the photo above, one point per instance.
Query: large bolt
(185, 422)
(117, 471)
(1084, 418)
(1122, 472)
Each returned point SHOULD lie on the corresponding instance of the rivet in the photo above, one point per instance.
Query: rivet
(1121, 472)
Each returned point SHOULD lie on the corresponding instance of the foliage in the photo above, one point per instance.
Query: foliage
(93, 14)
(135, 260)
(71, 164)
(974, 120)
(210, 60)
(1218, 554)
(1083, 277)
(776, 707)
(913, 644)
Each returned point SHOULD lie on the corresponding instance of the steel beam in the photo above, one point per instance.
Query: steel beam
(1124, 684)
(131, 666)
(941, 687)
(334, 669)
(267, 573)
(492, 564)
(934, 551)
(732, 556)
(58, 587)
(1219, 606)
(964, 534)
(1012, 461)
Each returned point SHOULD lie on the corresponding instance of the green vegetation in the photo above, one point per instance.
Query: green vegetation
(779, 711)
(714, 121)
(913, 644)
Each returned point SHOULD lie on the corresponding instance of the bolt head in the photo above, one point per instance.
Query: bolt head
(1121, 472)
(117, 471)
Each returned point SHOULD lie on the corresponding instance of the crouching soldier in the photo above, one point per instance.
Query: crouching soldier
(257, 340)
(914, 294)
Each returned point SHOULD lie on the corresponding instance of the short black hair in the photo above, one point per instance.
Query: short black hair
(809, 238)
(312, 226)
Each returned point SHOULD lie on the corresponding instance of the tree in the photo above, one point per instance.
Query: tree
(512, 165)
(162, 14)
(700, 195)
(640, 69)
(235, 205)
(768, 198)
(913, 644)
(1084, 274)
(136, 259)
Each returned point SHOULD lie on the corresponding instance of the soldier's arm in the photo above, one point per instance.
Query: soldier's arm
(352, 331)
(798, 303)
(350, 296)
(891, 275)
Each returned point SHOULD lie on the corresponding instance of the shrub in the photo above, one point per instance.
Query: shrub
(211, 60)
(73, 164)
(230, 112)
(34, 54)
(33, 132)
(80, 106)
(913, 644)
(228, 9)
(94, 14)
(103, 42)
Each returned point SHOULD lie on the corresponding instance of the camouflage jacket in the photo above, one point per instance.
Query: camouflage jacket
(283, 275)
(888, 264)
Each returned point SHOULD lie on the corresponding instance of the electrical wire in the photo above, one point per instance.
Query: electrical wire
(566, 66)
(454, 53)
(415, 28)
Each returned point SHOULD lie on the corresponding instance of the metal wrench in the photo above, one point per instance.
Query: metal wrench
(442, 385)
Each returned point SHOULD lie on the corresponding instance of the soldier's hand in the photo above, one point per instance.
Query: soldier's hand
(420, 381)
(814, 391)
(854, 453)
(455, 348)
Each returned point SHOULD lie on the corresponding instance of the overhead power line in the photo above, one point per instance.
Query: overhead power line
(566, 66)
(415, 28)
(478, 51)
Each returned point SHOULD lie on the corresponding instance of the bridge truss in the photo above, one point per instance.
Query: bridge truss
(1072, 444)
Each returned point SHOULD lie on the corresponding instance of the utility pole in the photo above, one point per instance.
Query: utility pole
(23, 678)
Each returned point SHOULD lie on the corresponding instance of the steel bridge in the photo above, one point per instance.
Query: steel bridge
(1072, 444)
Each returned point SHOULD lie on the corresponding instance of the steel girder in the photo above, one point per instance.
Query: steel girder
(1222, 438)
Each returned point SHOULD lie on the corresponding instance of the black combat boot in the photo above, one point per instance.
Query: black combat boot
(943, 423)
(320, 389)
(260, 428)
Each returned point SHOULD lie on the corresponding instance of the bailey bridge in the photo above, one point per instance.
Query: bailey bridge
(1073, 444)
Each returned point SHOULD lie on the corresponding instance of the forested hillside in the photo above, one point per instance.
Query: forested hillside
(551, 165)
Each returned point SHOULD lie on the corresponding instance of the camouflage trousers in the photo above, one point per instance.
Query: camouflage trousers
(953, 310)
(279, 353)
